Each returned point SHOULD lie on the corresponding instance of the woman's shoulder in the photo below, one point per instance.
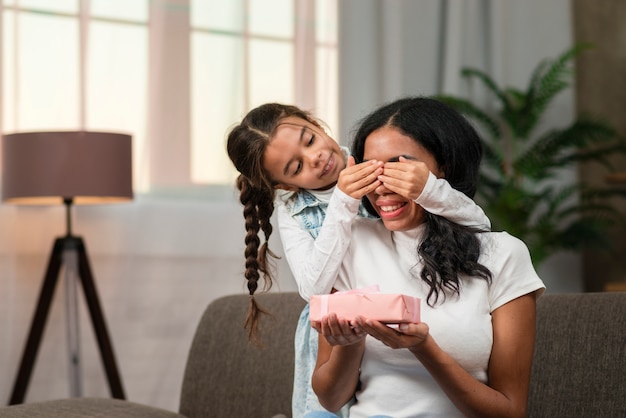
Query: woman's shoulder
(513, 273)
(503, 245)
(502, 239)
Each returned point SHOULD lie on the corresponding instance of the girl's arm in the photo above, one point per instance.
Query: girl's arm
(439, 198)
(315, 263)
(412, 179)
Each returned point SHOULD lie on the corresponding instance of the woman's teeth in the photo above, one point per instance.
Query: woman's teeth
(391, 208)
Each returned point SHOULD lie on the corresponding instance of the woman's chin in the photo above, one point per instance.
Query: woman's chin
(402, 223)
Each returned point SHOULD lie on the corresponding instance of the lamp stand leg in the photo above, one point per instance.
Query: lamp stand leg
(38, 324)
(97, 319)
(70, 263)
(41, 315)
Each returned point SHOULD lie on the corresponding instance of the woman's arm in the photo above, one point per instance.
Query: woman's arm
(506, 393)
(340, 350)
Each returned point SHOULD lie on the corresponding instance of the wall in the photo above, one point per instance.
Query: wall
(419, 48)
(157, 263)
(601, 86)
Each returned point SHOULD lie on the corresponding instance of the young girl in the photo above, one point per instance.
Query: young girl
(281, 148)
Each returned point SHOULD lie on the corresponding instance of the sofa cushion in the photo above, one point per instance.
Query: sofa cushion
(85, 407)
(579, 366)
(229, 376)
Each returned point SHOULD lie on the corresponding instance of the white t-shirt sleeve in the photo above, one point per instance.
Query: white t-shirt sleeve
(513, 272)
(315, 263)
(439, 198)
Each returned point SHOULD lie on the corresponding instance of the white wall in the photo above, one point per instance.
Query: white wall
(159, 261)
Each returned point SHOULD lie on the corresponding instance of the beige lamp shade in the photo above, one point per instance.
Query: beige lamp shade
(48, 167)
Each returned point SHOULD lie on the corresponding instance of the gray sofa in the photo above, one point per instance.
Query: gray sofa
(579, 368)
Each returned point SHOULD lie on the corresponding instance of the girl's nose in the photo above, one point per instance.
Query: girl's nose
(314, 158)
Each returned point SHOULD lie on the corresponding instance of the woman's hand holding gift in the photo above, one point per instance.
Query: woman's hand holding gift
(406, 335)
(339, 331)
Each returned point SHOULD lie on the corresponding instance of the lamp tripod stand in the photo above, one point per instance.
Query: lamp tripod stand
(63, 246)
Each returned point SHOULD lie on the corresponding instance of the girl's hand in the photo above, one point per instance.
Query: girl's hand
(357, 180)
(339, 331)
(409, 336)
(406, 177)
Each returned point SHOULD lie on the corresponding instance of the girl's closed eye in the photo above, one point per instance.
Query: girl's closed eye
(298, 168)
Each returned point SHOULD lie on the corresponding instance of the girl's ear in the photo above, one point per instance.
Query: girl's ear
(286, 187)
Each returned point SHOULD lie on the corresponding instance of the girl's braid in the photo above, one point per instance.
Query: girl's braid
(246, 146)
(257, 211)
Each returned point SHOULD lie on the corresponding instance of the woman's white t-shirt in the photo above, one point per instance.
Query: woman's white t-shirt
(393, 382)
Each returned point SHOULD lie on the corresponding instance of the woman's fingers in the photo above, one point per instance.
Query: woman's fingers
(340, 331)
(403, 336)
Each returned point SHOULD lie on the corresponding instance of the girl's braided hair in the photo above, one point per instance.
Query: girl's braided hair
(246, 146)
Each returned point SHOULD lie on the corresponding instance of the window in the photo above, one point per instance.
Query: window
(248, 52)
(176, 74)
(55, 79)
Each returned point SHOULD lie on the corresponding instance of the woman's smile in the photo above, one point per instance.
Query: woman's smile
(390, 210)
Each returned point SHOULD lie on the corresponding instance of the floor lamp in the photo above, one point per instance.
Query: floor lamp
(67, 168)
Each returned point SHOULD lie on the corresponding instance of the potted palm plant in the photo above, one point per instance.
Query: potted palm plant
(520, 187)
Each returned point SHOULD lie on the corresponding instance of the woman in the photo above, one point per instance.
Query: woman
(471, 354)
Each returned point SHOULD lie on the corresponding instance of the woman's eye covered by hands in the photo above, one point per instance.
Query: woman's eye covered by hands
(400, 157)
(406, 177)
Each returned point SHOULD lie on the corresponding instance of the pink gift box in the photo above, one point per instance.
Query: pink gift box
(383, 307)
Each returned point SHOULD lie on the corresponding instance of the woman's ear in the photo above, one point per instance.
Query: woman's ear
(286, 187)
